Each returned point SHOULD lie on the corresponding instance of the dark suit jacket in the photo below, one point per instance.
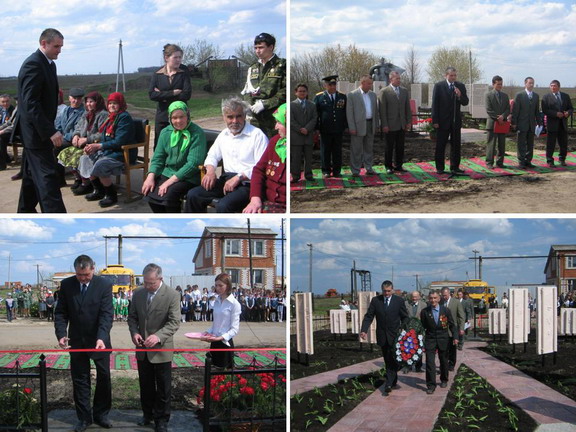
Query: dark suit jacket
(331, 116)
(550, 107)
(435, 334)
(37, 102)
(302, 119)
(388, 320)
(494, 109)
(84, 320)
(161, 319)
(525, 115)
(444, 102)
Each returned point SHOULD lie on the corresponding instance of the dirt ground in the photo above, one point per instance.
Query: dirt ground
(512, 194)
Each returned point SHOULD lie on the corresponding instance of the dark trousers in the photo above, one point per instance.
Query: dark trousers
(455, 143)
(525, 147)
(155, 389)
(4, 141)
(40, 183)
(452, 353)
(296, 153)
(331, 153)
(394, 144)
(59, 167)
(198, 198)
(9, 314)
(158, 126)
(224, 359)
(431, 347)
(80, 370)
(389, 354)
(562, 137)
(495, 146)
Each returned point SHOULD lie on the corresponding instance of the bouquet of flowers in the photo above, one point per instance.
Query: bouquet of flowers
(426, 125)
(410, 345)
(19, 407)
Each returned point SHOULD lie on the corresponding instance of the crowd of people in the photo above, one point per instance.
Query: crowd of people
(364, 114)
(87, 138)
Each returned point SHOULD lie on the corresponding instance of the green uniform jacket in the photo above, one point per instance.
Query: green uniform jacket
(169, 161)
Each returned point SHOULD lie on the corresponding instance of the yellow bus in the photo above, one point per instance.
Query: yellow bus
(480, 292)
(121, 278)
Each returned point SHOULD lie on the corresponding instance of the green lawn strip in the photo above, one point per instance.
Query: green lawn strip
(473, 404)
(319, 409)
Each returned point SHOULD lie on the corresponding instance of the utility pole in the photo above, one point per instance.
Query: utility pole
(470, 73)
(120, 64)
(480, 267)
(311, 246)
(9, 263)
(250, 256)
(119, 248)
(37, 275)
(282, 251)
(475, 252)
(417, 283)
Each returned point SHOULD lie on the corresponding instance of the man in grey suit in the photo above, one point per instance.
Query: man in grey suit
(362, 117)
(395, 119)
(457, 311)
(525, 117)
(415, 307)
(468, 306)
(303, 117)
(498, 110)
(557, 107)
(153, 320)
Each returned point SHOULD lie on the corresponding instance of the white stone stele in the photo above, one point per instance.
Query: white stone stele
(355, 323)
(519, 316)
(338, 323)
(304, 324)
(567, 322)
(497, 321)
(364, 299)
(546, 319)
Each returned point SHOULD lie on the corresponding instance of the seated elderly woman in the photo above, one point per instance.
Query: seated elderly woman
(174, 167)
(268, 186)
(105, 159)
(87, 131)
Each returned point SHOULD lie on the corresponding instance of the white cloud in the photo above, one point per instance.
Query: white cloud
(22, 228)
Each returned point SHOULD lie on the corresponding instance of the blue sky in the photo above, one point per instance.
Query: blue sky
(509, 38)
(433, 248)
(54, 243)
(92, 29)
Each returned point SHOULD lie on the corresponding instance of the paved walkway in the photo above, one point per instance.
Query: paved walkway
(396, 412)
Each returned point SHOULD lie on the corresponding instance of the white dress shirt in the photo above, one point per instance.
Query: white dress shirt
(367, 104)
(239, 153)
(226, 318)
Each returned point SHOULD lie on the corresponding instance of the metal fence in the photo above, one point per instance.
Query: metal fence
(20, 402)
(319, 322)
(245, 398)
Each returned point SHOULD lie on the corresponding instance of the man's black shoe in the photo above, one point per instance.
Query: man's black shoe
(103, 422)
(389, 171)
(400, 169)
(456, 170)
(387, 389)
(443, 384)
(530, 165)
(451, 368)
(144, 421)
(16, 176)
(161, 426)
(395, 387)
(440, 172)
(430, 391)
(563, 163)
(81, 426)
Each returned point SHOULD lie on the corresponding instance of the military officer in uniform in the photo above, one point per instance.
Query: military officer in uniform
(331, 106)
(265, 88)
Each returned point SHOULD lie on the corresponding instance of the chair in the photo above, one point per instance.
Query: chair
(142, 132)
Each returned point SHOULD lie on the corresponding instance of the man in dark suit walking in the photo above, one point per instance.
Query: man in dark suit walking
(525, 117)
(153, 320)
(557, 107)
(37, 106)
(83, 319)
(437, 321)
(448, 97)
(390, 312)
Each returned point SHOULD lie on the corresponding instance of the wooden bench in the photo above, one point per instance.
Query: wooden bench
(142, 132)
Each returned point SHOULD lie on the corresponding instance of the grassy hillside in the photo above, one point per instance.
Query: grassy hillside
(202, 104)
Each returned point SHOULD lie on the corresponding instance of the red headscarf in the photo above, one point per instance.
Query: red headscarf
(100, 105)
(108, 125)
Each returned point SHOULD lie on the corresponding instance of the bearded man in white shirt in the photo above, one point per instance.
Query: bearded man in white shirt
(239, 147)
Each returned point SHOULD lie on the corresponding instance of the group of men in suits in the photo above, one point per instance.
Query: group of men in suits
(443, 324)
(524, 118)
(83, 320)
(362, 112)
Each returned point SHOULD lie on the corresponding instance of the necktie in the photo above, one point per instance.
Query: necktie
(84, 289)
(530, 96)
(498, 96)
(452, 87)
(397, 91)
(333, 98)
(414, 309)
(559, 99)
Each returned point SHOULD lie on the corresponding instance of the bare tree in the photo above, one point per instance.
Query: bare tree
(199, 51)
(245, 53)
(412, 66)
(459, 58)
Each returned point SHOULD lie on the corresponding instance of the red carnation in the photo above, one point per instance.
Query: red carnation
(27, 390)
(243, 382)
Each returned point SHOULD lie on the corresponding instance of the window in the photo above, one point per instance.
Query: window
(207, 248)
(571, 262)
(258, 247)
(233, 247)
(234, 275)
(258, 277)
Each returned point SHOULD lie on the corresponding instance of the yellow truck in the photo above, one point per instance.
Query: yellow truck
(121, 278)
(480, 292)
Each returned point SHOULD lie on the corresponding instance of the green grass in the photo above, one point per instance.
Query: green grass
(125, 393)
(322, 305)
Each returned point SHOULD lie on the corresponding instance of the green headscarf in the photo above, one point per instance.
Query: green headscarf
(280, 116)
(178, 136)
